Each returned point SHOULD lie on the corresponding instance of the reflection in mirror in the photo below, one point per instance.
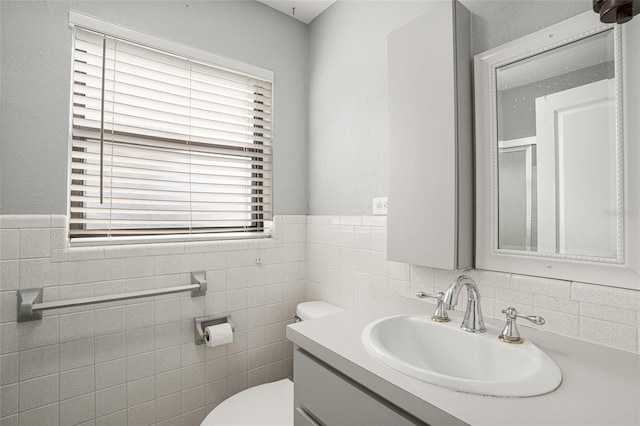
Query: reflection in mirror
(516, 199)
(557, 151)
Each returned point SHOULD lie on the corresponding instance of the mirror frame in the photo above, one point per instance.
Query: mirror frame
(622, 271)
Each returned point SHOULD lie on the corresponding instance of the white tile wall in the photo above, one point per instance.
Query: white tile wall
(136, 362)
(346, 265)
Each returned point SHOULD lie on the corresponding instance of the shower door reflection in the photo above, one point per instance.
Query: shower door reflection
(517, 195)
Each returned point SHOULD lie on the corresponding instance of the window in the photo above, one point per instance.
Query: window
(163, 144)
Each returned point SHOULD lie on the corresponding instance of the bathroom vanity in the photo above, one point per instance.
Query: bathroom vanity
(338, 383)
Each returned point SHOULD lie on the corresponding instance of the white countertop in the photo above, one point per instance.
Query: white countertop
(600, 386)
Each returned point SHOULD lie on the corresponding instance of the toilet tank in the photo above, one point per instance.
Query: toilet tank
(310, 310)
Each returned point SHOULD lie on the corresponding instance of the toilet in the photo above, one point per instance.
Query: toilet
(270, 404)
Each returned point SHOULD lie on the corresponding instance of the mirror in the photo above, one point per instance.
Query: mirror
(550, 151)
(557, 150)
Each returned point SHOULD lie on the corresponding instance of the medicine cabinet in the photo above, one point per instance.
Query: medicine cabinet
(430, 218)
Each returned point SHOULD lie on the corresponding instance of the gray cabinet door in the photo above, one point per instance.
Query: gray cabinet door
(430, 219)
(325, 397)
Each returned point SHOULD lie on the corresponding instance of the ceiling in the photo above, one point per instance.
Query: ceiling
(302, 10)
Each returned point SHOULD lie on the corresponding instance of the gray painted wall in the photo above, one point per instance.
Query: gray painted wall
(348, 103)
(36, 57)
(348, 77)
(330, 125)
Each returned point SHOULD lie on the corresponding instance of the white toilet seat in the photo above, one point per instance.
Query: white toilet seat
(270, 404)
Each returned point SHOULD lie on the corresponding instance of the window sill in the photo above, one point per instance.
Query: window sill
(196, 238)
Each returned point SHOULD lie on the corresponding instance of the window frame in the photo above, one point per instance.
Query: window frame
(117, 31)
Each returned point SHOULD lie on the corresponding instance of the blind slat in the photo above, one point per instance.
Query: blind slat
(204, 166)
(238, 164)
(143, 118)
(219, 205)
(90, 98)
(89, 138)
(170, 187)
(157, 232)
(212, 136)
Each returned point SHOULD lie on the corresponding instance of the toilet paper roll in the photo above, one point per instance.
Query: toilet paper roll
(217, 335)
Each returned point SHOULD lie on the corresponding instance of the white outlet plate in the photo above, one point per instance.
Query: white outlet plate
(380, 205)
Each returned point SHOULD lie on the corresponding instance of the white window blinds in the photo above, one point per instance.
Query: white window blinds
(162, 144)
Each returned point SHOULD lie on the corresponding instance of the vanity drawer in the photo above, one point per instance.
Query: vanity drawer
(323, 396)
(302, 418)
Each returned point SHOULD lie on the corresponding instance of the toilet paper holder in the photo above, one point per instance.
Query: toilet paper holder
(204, 322)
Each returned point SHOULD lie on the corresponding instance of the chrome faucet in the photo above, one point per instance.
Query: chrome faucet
(472, 321)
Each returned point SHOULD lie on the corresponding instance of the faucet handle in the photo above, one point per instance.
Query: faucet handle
(441, 312)
(513, 314)
(510, 332)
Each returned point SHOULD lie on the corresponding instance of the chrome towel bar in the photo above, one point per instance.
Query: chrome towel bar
(30, 305)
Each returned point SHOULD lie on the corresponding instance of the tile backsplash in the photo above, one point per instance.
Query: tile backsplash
(346, 265)
(135, 362)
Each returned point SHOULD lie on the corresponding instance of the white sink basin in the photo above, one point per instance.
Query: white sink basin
(443, 354)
